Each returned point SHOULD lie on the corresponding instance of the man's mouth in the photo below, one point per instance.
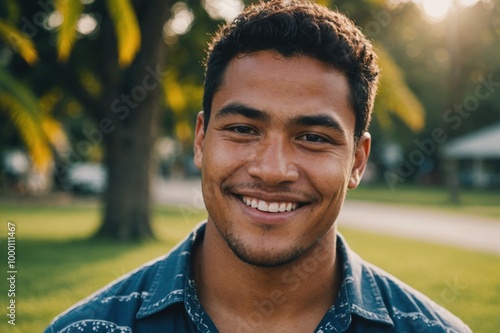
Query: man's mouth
(270, 207)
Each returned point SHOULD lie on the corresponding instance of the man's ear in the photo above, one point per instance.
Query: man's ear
(199, 138)
(360, 159)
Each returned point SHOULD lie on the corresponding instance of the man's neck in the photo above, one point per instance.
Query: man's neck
(237, 295)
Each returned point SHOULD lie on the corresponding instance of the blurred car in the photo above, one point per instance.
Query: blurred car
(87, 178)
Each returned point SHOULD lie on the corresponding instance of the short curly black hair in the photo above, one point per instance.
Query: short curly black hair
(295, 28)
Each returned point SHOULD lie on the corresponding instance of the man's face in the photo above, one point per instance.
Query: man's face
(278, 155)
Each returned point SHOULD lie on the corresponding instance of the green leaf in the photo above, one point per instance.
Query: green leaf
(22, 109)
(70, 11)
(17, 90)
(127, 30)
(394, 95)
(19, 42)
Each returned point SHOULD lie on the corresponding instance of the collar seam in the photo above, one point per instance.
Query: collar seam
(373, 309)
(176, 290)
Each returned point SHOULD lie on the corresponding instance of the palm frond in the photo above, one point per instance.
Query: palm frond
(174, 96)
(54, 132)
(13, 87)
(19, 42)
(70, 11)
(29, 130)
(22, 109)
(395, 96)
(52, 128)
(127, 30)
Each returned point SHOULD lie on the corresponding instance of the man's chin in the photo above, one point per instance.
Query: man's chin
(258, 258)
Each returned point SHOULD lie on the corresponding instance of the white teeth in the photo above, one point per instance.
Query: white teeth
(263, 206)
(271, 207)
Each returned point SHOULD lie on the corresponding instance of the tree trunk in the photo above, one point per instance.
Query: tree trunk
(452, 182)
(127, 198)
(128, 119)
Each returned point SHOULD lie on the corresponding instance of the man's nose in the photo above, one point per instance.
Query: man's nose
(274, 162)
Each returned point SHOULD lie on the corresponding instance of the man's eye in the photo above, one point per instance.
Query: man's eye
(242, 129)
(313, 138)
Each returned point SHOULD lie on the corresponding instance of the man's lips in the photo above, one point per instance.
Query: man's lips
(269, 206)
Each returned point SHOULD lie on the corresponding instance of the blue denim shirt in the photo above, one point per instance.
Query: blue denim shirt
(161, 297)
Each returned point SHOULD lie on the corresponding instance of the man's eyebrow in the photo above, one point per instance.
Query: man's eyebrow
(243, 110)
(323, 120)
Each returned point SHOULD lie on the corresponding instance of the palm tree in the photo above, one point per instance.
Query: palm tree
(41, 133)
(127, 104)
(123, 96)
(395, 97)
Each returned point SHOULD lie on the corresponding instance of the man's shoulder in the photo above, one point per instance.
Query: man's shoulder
(105, 309)
(411, 310)
(378, 298)
(117, 306)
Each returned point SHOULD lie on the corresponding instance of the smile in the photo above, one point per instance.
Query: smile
(270, 207)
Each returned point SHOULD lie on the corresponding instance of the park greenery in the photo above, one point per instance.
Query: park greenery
(58, 264)
(103, 80)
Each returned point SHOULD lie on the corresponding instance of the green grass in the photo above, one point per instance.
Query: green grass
(473, 202)
(465, 282)
(58, 265)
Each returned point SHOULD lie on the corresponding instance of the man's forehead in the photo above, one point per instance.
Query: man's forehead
(282, 86)
(258, 59)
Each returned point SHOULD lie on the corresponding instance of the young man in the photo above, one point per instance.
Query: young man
(288, 95)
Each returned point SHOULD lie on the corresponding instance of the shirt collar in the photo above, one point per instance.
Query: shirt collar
(173, 279)
(359, 286)
(173, 276)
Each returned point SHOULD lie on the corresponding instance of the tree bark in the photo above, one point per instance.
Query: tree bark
(130, 110)
(452, 182)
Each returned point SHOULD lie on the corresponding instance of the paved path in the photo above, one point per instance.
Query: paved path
(466, 231)
(179, 192)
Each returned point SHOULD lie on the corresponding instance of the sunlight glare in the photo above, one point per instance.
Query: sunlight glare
(467, 3)
(223, 9)
(86, 24)
(436, 10)
(181, 20)
(54, 20)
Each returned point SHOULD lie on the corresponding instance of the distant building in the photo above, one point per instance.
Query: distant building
(475, 158)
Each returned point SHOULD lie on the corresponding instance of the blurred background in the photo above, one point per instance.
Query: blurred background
(104, 94)
(98, 101)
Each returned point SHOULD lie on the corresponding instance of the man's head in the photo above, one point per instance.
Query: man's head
(288, 94)
(298, 28)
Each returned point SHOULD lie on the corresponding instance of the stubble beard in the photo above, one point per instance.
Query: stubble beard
(277, 259)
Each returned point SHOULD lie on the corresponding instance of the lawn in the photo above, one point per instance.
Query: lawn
(471, 201)
(58, 265)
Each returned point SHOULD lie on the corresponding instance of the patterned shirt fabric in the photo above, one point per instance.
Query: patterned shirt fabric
(161, 296)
